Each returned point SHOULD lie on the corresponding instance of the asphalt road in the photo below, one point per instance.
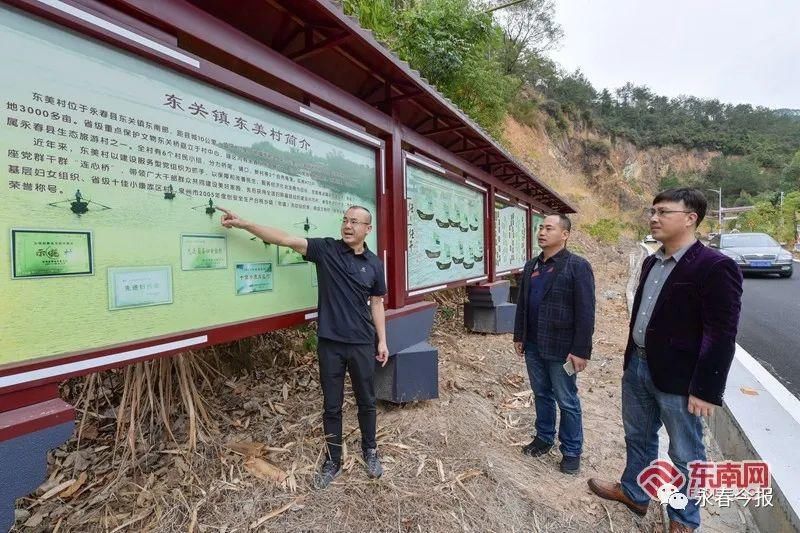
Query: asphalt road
(769, 328)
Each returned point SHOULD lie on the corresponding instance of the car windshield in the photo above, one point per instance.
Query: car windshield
(747, 241)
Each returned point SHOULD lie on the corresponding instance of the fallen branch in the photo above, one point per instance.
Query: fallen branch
(275, 513)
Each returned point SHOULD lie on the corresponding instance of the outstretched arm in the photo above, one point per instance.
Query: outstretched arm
(265, 233)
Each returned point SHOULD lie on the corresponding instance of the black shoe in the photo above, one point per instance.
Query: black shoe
(374, 467)
(570, 465)
(537, 447)
(327, 474)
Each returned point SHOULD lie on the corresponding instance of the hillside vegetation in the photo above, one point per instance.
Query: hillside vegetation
(490, 58)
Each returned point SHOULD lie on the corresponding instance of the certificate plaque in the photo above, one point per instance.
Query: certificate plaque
(203, 252)
(253, 278)
(139, 286)
(47, 253)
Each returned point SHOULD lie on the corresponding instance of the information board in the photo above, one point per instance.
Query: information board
(113, 168)
(511, 237)
(536, 221)
(445, 229)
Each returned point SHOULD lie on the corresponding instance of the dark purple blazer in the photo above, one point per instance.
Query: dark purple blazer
(691, 338)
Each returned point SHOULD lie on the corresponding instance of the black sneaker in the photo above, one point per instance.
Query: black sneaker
(537, 447)
(374, 467)
(326, 474)
(570, 465)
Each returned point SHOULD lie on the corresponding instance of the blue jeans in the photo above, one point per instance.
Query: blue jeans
(644, 409)
(551, 385)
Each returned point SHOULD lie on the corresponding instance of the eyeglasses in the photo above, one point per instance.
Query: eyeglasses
(353, 221)
(661, 213)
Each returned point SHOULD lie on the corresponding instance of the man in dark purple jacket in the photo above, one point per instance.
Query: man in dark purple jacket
(680, 346)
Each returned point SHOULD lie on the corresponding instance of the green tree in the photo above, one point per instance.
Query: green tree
(455, 45)
(529, 28)
(764, 218)
(377, 15)
(735, 176)
(789, 218)
(791, 173)
(744, 200)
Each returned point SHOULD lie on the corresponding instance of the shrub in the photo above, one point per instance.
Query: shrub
(606, 230)
(599, 147)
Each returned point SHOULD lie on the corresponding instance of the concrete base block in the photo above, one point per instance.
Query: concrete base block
(23, 459)
(410, 375)
(412, 372)
(489, 294)
(499, 319)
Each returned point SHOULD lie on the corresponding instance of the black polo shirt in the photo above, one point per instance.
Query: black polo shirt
(346, 280)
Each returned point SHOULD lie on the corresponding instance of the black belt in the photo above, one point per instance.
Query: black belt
(639, 352)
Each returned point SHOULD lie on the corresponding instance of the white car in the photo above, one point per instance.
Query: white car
(649, 238)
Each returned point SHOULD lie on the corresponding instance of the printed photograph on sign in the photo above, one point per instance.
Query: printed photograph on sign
(48, 253)
(139, 286)
(131, 156)
(445, 229)
(511, 236)
(287, 256)
(253, 278)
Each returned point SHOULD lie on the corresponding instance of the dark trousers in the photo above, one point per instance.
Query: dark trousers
(336, 358)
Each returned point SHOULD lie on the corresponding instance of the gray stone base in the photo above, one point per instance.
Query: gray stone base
(488, 309)
(23, 465)
(412, 372)
(498, 319)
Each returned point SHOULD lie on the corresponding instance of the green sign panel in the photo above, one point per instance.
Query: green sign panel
(252, 278)
(38, 253)
(536, 221)
(445, 230)
(139, 286)
(127, 162)
(511, 237)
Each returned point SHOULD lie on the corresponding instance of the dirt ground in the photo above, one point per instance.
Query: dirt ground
(451, 464)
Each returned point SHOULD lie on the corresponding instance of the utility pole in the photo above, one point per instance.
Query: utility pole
(719, 212)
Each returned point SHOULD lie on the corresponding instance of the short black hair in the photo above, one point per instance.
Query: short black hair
(694, 200)
(563, 221)
(369, 213)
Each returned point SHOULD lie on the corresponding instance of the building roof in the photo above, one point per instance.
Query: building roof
(318, 36)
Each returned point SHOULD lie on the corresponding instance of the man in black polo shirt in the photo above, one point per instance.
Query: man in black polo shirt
(351, 315)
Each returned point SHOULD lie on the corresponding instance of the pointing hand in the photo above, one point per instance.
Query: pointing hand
(230, 219)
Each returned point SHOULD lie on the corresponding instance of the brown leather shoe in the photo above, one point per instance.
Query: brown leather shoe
(677, 527)
(613, 491)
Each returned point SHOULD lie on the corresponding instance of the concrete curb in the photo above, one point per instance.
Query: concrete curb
(760, 420)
